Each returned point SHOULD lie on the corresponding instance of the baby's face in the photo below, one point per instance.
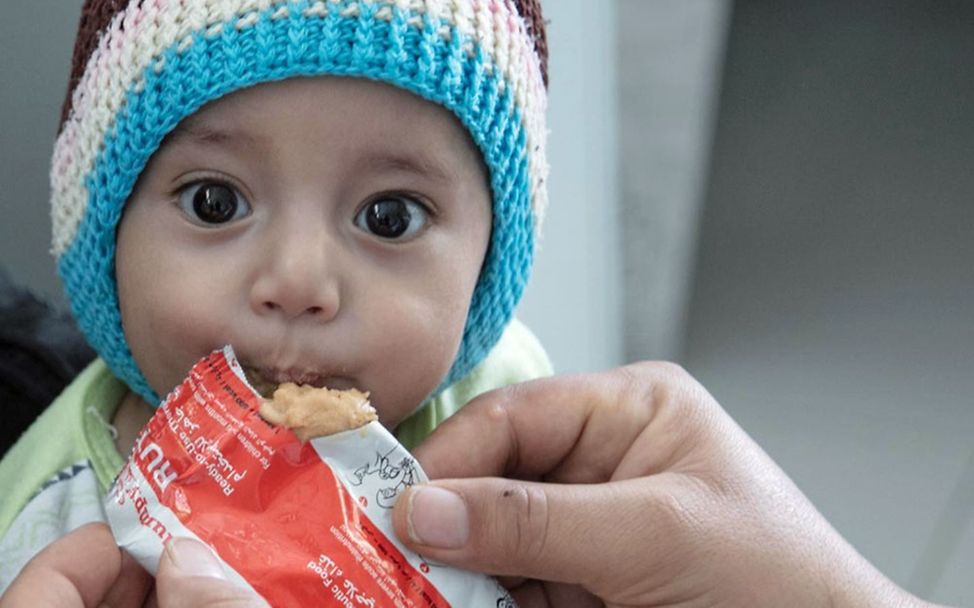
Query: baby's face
(332, 230)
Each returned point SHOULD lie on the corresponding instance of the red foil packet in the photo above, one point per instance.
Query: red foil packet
(301, 524)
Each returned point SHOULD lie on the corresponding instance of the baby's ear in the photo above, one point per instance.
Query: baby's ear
(41, 351)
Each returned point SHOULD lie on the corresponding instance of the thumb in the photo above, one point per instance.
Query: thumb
(572, 533)
(190, 575)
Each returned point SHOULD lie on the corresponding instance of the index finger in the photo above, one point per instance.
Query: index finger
(570, 429)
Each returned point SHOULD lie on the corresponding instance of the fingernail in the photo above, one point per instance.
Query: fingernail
(194, 558)
(438, 518)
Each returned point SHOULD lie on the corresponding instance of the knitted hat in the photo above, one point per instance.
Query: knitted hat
(142, 66)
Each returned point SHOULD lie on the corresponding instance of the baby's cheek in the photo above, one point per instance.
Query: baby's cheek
(414, 357)
(167, 335)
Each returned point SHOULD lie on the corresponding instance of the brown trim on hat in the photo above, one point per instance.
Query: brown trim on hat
(530, 11)
(96, 15)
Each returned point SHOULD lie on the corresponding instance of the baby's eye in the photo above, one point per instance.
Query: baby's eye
(393, 217)
(209, 202)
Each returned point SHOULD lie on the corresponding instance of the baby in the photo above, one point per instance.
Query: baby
(347, 192)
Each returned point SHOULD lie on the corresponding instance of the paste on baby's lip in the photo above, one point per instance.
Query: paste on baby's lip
(315, 412)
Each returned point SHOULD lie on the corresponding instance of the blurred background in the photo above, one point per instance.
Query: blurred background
(776, 194)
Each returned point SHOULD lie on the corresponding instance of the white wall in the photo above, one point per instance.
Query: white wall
(670, 61)
(573, 302)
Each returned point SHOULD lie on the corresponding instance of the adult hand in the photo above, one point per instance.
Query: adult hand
(86, 568)
(83, 568)
(190, 576)
(630, 487)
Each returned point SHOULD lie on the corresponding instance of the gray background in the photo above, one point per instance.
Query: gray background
(832, 311)
(775, 194)
(799, 233)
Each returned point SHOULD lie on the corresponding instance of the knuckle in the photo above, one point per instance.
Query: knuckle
(494, 408)
(492, 414)
(666, 386)
(525, 520)
(500, 397)
(499, 417)
(650, 383)
(660, 371)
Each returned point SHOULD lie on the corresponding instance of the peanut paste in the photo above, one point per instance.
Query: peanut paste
(315, 412)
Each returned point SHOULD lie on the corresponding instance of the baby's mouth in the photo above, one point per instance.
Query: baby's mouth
(265, 380)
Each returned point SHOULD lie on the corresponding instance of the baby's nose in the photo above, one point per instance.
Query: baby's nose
(299, 277)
